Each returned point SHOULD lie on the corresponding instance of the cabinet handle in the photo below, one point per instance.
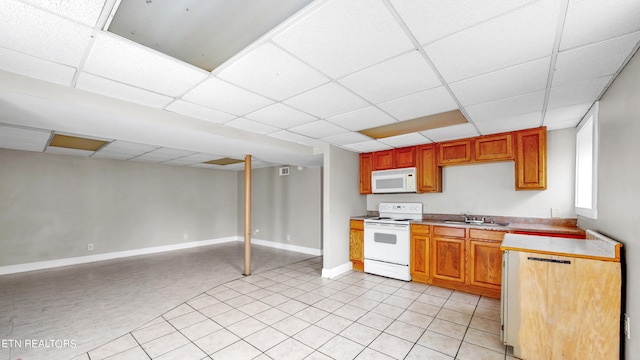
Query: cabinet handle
(549, 260)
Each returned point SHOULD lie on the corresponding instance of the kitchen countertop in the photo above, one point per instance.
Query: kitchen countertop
(596, 246)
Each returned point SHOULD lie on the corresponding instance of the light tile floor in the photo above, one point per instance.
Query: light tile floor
(291, 312)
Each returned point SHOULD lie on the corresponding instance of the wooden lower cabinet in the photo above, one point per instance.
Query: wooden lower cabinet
(356, 244)
(420, 249)
(448, 254)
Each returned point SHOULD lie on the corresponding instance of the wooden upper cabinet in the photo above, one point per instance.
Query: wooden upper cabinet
(405, 157)
(383, 160)
(454, 152)
(531, 159)
(429, 173)
(494, 147)
(366, 163)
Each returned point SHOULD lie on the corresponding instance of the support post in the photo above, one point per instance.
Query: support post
(247, 215)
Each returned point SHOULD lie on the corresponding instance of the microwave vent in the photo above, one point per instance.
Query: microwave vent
(284, 171)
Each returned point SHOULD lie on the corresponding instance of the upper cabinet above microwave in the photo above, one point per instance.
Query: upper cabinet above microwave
(526, 147)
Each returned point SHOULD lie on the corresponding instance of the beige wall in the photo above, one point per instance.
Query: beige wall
(488, 189)
(618, 189)
(52, 206)
(285, 209)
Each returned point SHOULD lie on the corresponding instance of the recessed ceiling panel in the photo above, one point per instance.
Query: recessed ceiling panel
(342, 37)
(36, 32)
(74, 142)
(511, 123)
(121, 91)
(205, 33)
(281, 116)
(512, 81)
(219, 95)
(577, 93)
(594, 60)
(34, 67)
(518, 37)
(199, 111)
(223, 161)
(129, 63)
(428, 102)
(273, 73)
(23, 139)
(515, 105)
(326, 101)
(362, 119)
(428, 122)
(590, 21)
(430, 20)
(401, 76)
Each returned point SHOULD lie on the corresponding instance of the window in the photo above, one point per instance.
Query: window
(587, 164)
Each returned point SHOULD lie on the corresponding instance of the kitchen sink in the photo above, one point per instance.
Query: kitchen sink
(474, 222)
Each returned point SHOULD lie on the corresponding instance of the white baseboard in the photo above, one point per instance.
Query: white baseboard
(337, 271)
(48, 264)
(283, 246)
(41, 265)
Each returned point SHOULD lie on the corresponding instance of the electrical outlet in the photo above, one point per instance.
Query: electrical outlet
(555, 212)
(257, 231)
(90, 247)
(627, 326)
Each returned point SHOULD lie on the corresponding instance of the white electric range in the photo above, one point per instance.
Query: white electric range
(387, 240)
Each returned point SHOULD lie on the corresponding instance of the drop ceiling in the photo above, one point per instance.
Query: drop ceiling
(318, 78)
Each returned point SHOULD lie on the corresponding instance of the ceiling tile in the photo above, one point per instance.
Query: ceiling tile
(124, 61)
(450, 132)
(590, 21)
(360, 119)
(520, 104)
(273, 73)
(127, 148)
(326, 101)
(35, 32)
(511, 123)
(281, 116)
(405, 140)
(197, 158)
(121, 91)
(425, 103)
(512, 81)
(592, 61)
(431, 20)
(577, 93)
(314, 142)
(564, 117)
(368, 146)
(217, 94)
(34, 67)
(401, 76)
(199, 111)
(318, 129)
(162, 154)
(515, 38)
(346, 138)
(84, 11)
(23, 139)
(289, 136)
(252, 126)
(67, 151)
(367, 31)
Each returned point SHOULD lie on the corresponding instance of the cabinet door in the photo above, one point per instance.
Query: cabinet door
(485, 263)
(420, 243)
(383, 160)
(405, 157)
(531, 159)
(366, 163)
(429, 173)
(494, 147)
(454, 152)
(356, 244)
(447, 259)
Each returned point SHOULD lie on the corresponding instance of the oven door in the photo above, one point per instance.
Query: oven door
(387, 242)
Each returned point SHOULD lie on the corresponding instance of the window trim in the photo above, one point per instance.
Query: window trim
(591, 118)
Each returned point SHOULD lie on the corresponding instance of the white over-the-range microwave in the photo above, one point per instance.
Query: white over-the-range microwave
(394, 181)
